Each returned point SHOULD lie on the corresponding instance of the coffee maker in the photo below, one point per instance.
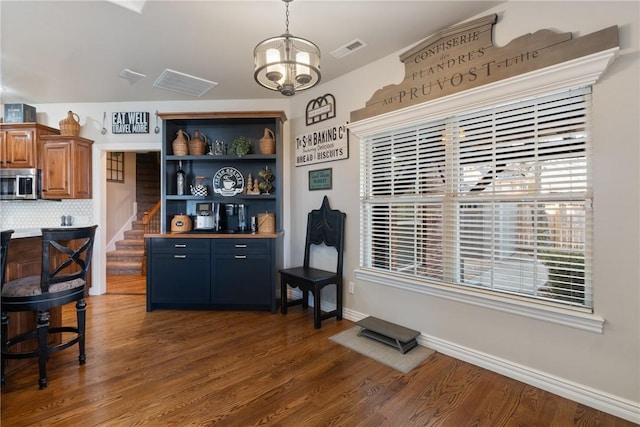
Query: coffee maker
(207, 216)
(235, 217)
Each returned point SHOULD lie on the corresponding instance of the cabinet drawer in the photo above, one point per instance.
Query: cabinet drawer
(180, 245)
(241, 245)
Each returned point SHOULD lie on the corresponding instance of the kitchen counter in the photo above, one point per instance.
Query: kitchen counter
(206, 234)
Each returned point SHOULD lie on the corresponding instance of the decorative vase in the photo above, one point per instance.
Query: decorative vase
(71, 125)
(197, 144)
(267, 144)
(179, 145)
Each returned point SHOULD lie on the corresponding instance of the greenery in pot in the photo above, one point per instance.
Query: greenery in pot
(240, 146)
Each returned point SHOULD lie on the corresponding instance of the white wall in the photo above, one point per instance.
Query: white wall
(602, 370)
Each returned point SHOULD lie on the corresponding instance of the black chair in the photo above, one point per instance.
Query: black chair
(324, 226)
(66, 257)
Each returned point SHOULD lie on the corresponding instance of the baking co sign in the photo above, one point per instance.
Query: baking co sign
(324, 145)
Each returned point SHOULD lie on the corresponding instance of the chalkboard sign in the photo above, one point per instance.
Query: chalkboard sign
(320, 179)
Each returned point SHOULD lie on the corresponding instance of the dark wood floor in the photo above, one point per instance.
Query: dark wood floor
(229, 368)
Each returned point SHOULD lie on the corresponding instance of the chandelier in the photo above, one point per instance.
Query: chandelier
(287, 63)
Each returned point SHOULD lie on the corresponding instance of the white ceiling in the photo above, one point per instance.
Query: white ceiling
(74, 51)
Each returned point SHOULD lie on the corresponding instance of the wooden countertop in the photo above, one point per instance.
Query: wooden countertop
(218, 235)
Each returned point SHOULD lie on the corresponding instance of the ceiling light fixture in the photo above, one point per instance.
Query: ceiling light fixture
(287, 63)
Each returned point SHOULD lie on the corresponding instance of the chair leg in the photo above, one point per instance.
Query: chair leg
(283, 296)
(43, 351)
(4, 337)
(81, 311)
(305, 299)
(317, 311)
(338, 302)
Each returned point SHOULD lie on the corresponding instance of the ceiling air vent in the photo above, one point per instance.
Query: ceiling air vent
(348, 48)
(183, 83)
(132, 76)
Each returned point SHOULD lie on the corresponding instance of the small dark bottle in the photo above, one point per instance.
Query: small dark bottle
(180, 179)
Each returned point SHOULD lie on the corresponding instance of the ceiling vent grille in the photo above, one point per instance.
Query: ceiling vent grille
(348, 48)
(132, 76)
(183, 83)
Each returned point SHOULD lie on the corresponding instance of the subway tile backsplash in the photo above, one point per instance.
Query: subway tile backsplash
(44, 213)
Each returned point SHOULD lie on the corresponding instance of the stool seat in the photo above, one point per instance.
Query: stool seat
(66, 257)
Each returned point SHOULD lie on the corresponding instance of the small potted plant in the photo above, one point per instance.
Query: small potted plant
(240, 146)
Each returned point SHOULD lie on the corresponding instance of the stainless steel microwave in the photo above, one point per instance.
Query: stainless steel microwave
(19, 184)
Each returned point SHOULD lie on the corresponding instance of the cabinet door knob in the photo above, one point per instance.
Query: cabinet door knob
(180, 256)
(179, 246)
(240, 257)
(240, 246)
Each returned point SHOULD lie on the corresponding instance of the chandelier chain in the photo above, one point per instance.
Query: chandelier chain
(286, 21)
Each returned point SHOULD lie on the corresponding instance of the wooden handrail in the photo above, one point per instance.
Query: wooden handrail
(151, 222)
(151, 219)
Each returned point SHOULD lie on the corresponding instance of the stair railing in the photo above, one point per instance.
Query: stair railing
(151, 222)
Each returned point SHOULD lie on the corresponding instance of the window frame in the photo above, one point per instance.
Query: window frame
(583, 71)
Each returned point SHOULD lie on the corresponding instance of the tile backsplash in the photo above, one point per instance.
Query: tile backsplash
(44, 213)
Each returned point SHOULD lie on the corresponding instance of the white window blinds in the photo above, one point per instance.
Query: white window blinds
(497, 199)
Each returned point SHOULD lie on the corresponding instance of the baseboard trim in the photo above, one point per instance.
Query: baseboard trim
(593, 398)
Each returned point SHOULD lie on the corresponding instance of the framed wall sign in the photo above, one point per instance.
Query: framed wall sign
(322, 145)
(320, 179)
(129, 122)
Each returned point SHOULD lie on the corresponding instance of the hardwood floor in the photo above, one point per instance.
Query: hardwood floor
(231, 368)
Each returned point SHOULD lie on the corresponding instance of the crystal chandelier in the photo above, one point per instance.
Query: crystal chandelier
(287, 63)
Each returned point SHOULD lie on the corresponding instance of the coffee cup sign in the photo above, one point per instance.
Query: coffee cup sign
(228, 181)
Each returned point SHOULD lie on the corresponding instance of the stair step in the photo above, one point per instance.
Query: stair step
(126, 255)
(136, 234)
(130, 244)
(124, 268)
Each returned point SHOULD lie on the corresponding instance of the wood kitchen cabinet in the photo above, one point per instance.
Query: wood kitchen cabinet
(19, 144)
(66, 167)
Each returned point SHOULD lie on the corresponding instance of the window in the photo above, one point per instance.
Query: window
(497, 199)
(115, 166)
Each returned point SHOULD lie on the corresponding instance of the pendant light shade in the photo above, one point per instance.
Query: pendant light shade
(287, 63)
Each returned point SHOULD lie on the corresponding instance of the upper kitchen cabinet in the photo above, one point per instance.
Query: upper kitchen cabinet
(66, 167)
(19, 144)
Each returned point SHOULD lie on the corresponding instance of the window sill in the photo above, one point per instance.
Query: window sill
(513, 305)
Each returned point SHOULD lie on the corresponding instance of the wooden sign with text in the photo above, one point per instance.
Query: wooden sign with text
(464, 57)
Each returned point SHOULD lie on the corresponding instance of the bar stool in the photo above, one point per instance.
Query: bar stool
(66, 257)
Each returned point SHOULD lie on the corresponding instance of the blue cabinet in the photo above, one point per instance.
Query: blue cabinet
(178, 273)
(211, 273)
(243, 273)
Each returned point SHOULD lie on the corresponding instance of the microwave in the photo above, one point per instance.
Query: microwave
(20, 184)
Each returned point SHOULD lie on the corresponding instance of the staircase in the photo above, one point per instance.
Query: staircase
(129, 253)
(128, 257)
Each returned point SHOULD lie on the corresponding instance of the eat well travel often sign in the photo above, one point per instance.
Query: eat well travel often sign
(464, 57)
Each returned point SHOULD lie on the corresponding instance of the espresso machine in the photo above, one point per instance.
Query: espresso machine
(207, 216)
